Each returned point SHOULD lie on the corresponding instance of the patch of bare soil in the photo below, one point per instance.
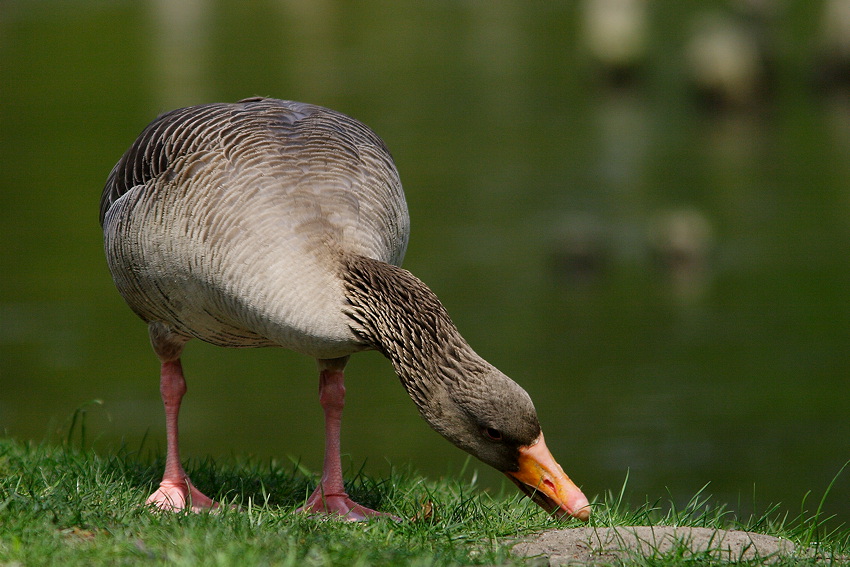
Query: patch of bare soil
(602, 546)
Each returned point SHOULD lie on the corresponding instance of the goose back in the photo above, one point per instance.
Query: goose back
(229, 222)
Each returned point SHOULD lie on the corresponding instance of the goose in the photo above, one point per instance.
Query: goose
(277, 223)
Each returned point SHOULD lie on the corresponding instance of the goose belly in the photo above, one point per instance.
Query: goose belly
(240, 288)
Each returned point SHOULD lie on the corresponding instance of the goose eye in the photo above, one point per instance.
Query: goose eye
(493, 434)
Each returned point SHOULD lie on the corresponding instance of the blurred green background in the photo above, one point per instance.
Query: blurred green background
(639, 211)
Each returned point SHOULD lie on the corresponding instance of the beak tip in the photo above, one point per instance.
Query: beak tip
(578, 507)
(582, 514)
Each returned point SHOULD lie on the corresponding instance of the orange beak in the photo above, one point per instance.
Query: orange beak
(543, 480)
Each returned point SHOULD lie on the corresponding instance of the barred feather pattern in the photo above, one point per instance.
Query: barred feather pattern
(457, 392)
(225, 222)
(397, 314)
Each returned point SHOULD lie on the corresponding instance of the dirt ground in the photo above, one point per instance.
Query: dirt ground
(600, 546)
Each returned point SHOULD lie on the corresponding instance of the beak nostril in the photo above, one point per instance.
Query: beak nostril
(549, 485)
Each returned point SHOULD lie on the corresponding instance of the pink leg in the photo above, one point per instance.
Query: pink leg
(330, 496)
(176, 491)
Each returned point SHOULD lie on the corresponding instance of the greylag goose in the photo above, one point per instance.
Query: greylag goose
(277, 223)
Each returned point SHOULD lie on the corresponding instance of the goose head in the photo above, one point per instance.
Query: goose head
(491, 417)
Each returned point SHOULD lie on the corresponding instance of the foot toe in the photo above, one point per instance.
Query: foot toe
(343, 506)
(177, 496)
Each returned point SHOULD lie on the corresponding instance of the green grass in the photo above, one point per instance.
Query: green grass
(63, 504)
